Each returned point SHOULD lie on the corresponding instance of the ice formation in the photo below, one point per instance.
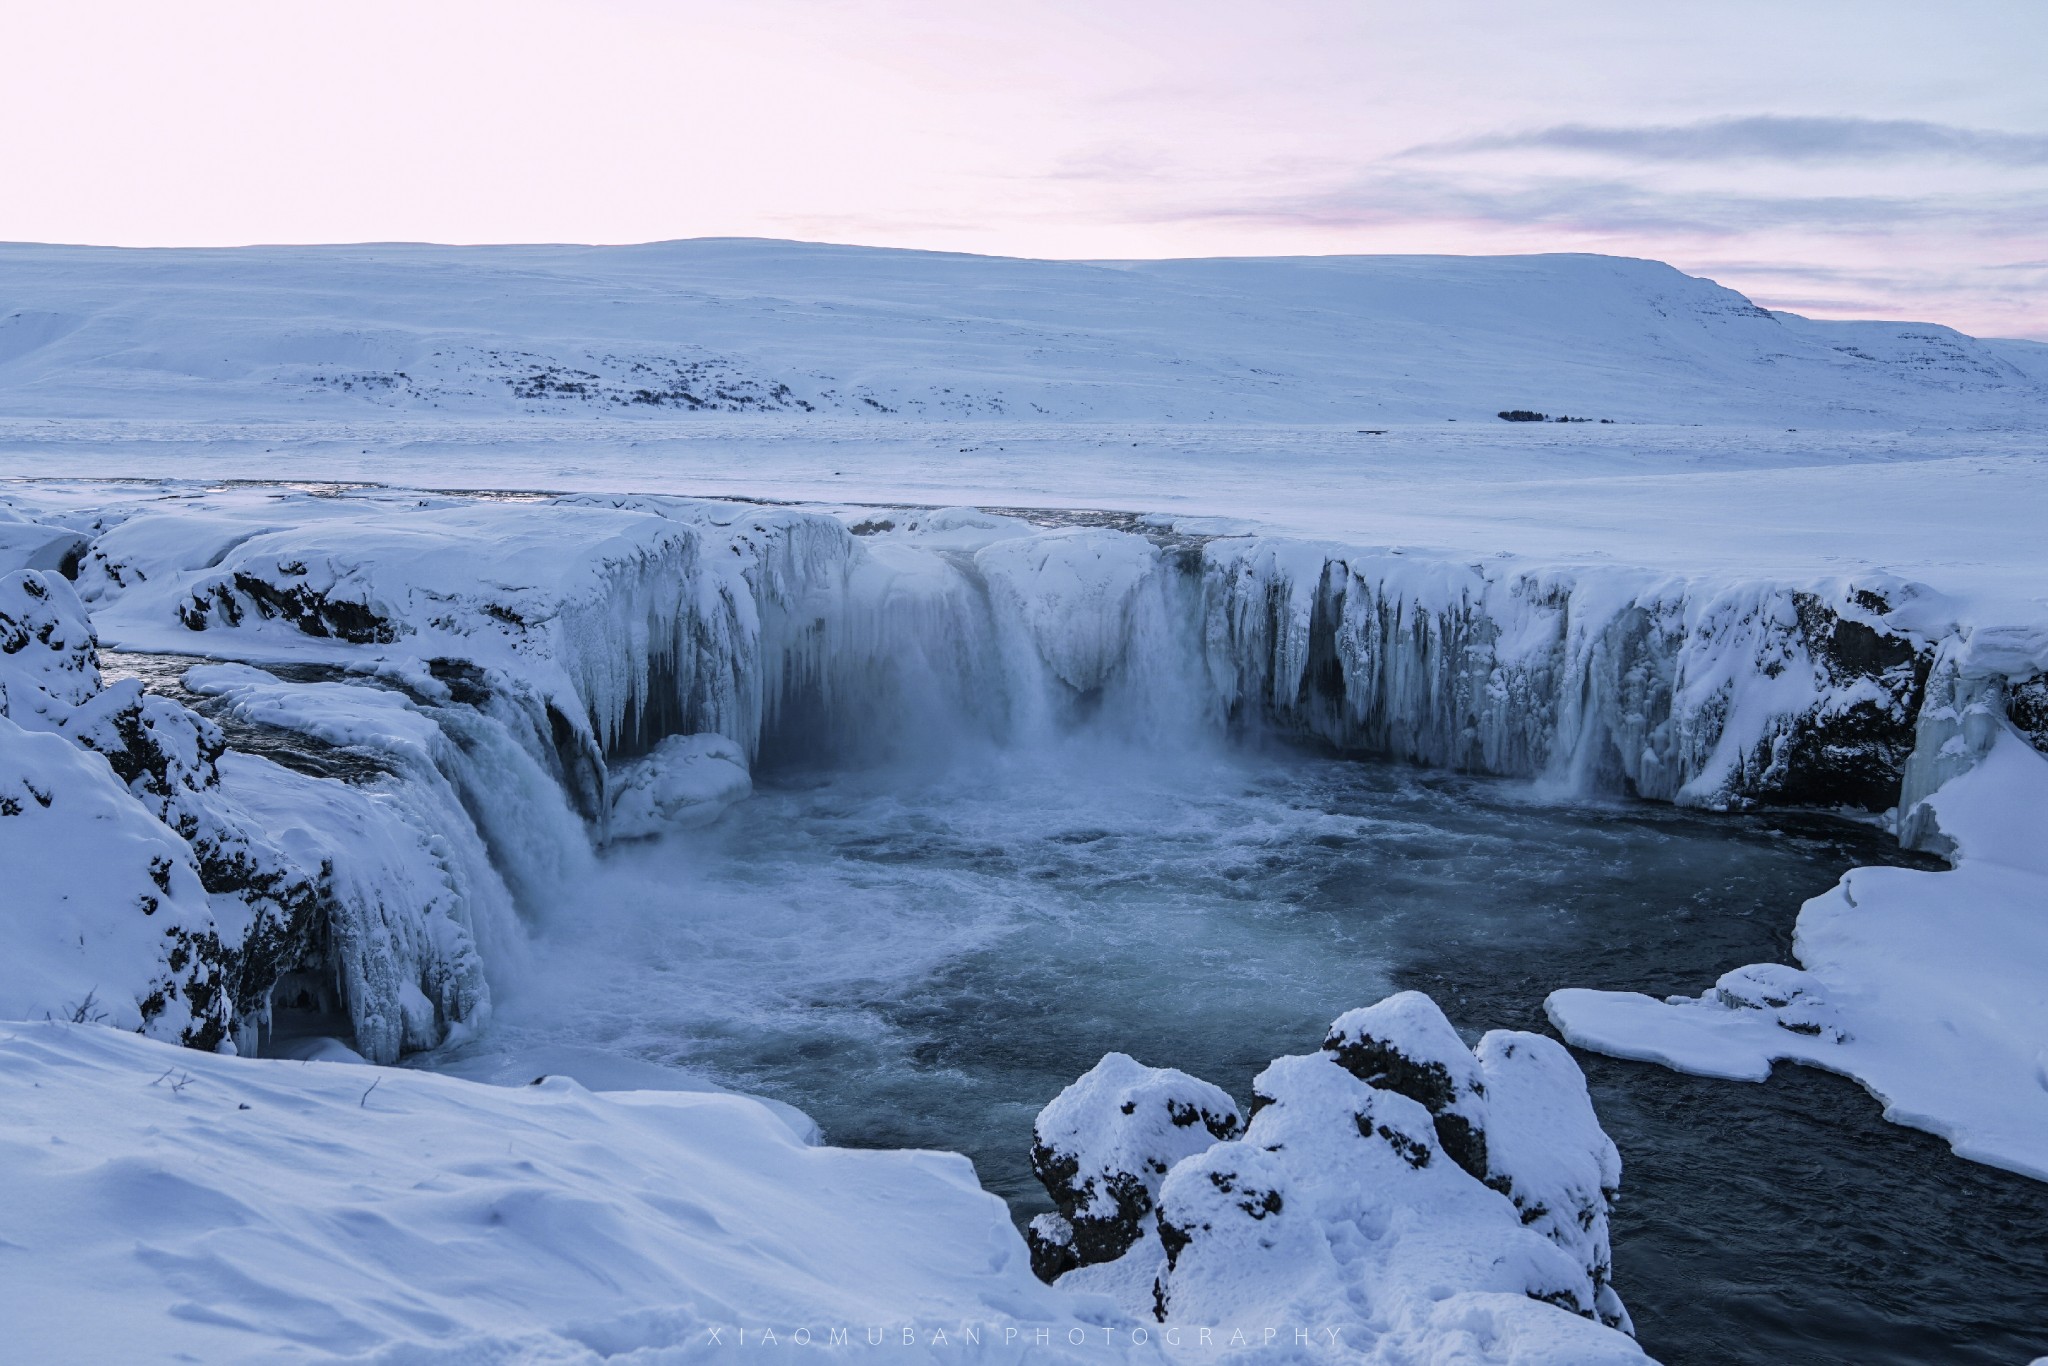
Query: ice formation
(261, 876)
(1340, 1202)
(511, 661)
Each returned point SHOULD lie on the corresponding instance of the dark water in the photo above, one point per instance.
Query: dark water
(925, 963)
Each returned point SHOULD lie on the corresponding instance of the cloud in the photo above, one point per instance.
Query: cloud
(1381, 197)
(1768, 137)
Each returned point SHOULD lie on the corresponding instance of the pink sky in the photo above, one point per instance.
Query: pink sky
(1837, 157)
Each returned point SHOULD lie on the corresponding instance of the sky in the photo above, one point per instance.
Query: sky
(1841, 158)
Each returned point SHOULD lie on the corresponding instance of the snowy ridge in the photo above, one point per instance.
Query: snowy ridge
(658, 334)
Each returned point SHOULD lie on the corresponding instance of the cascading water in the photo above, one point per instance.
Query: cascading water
(1019, 802)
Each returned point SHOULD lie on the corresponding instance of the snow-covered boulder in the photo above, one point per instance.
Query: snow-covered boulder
(687, 781)
(1103, 1145)
(1338, 1208)
(1547, 1152)
(1340, 1204)
(49, 661)
(1406, 1046)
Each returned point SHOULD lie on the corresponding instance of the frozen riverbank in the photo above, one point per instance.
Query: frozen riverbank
(525, 674)
(561, 639)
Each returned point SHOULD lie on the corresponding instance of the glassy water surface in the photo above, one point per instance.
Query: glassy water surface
(925, 956)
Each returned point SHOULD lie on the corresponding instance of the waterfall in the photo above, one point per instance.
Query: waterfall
(501, 661)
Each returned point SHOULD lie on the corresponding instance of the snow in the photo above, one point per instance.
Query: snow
(1360, 1196)
(1927, 987)
(160, 1204)
(688, 780)
(667, 332)
(1801, 565)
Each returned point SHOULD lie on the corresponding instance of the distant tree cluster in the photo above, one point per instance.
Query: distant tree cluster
(1525, 415)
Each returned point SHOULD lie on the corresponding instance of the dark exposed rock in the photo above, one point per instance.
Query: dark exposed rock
(314, 612)
(1104, 1144)
(2026, 704)
(1050, 1239)
(1852, 754)
(1405, 1045)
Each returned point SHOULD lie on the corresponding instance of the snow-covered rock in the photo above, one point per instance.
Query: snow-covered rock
(1338, 1208)
(1405, 1045)
(293, 874)
(1547, 1152)
(104, 916)
(686, 781)
(1339, 1203)
(1103, 1145)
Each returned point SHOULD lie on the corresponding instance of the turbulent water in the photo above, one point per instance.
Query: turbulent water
(923, 956)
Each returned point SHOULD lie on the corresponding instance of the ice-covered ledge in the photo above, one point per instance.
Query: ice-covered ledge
(1930, 988)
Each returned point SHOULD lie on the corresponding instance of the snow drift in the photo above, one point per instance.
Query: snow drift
(158, 1204)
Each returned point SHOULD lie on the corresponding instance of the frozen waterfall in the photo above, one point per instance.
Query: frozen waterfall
(504, 662)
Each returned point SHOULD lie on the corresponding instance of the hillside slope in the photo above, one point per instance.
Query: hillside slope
(723, 326)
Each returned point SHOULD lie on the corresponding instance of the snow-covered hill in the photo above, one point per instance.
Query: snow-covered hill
(666, 330)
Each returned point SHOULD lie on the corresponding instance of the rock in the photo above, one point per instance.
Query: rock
(1406, 1046)
(1791, 997)
(1051, 1240)
(1341, 1190)
(1104, 1144)
(687, 781)
(1547, 1152)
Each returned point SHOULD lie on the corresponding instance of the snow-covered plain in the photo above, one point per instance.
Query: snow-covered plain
(789, 329)
(1801, 564)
